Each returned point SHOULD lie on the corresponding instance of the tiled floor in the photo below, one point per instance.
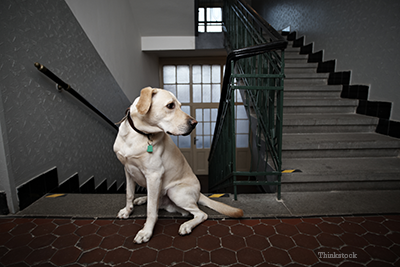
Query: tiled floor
(320, 241)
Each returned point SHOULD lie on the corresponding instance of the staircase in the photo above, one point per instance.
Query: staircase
(323, 137)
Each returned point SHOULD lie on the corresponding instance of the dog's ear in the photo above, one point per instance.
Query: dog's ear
(144, 103)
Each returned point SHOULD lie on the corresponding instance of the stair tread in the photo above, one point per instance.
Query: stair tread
(306, 75)
(341, 169)
(306, 88)
(328, 119)
(334, 141)
(290, 65)
(318, 102)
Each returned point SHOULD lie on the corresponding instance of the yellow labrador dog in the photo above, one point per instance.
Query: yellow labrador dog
(152, 160)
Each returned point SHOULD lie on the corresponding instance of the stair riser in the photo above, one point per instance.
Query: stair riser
(339, 153)
(328, 129)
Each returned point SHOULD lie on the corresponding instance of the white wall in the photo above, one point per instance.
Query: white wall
(361, 34)
(115, 28)
(112, 29)
(164, 17)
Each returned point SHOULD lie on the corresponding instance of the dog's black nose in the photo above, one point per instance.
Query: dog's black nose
(193, 123)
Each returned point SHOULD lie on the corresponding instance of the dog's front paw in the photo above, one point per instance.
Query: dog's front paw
(142, 236)
(124, 213)
(185, 229)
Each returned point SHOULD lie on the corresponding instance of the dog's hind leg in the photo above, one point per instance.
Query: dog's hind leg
(140, 201)
(130, 195)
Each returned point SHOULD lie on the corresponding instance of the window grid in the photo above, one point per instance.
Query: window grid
(210, 19)
(201, 84)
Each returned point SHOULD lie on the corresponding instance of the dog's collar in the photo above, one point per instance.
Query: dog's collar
(128, 116)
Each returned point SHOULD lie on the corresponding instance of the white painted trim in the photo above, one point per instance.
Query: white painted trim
(157, 43)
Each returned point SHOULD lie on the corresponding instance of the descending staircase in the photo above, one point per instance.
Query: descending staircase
(323, 137)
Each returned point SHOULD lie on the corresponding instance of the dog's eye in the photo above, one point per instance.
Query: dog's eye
(171, 106)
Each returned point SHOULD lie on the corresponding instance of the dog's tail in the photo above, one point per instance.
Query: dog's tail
(220, 207)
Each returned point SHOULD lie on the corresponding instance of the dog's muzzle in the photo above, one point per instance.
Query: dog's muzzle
(191, 125)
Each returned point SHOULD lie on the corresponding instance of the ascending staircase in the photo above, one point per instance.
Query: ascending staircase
(335, 148)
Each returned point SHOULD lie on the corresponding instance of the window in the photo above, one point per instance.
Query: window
(199, 86)
(210, 19)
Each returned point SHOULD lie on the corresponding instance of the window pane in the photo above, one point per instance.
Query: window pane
(213, 128)
(206, 93)
(171, 88)
(242, 140)
(169, 74)
(214, 14)
(196, 76)
(207, 128)
(199, 142)
(241, 112)
(183, 74)
(184, 141)
(183, 93)
(197, 93)
(201, 27)
(216, 73)
(186, 109)
(242, 126)
(214, 27)
(207, 141)
(206, 74)
(216, 93)
(207, 114)
(199, 128)
(201, 13)
(199, 114)
(214, 114)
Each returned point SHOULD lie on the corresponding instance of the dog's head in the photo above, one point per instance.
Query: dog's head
(159, 110)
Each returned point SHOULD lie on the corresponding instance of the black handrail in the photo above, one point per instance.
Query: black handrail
(234, 56)
(261, 21)
(62, 85)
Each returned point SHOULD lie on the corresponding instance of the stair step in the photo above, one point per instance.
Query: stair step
(295, 55)
(328, 123)
(301, 65)
(305, 75)
(291, 49)
(306, 82)
(327, 174)
(324, 145)
(329, 105)
(324, 91)
(304, 71)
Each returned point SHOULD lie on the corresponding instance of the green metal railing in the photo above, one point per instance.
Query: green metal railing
(254, 68)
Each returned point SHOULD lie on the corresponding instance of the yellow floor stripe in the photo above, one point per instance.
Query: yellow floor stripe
(55, 195)
(290, 171)
(216, 195)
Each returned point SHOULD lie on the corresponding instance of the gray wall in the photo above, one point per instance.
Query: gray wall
(41, 127)
(361, 34)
